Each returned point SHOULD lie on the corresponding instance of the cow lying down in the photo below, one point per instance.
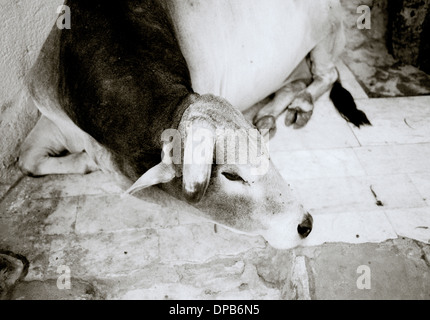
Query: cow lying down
(151, 90)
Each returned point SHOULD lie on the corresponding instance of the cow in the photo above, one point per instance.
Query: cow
(127, 71)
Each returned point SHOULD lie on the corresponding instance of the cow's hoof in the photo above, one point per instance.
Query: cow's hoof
(297, 118)
(267, 126)
(300, 111)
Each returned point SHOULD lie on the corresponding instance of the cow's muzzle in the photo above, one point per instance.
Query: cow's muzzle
(305, 227)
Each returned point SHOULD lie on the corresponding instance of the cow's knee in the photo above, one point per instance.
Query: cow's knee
(327, 77)
(29, 163)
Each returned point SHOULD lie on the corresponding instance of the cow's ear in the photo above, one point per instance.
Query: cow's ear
(161, 173)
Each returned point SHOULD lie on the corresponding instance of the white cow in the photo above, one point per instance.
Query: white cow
(109, 87)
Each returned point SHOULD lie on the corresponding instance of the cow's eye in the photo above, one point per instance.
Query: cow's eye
(232, 176)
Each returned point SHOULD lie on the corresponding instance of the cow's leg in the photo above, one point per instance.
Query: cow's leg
(298, 97)
(45, 152)
(266, 117)
(324, 75)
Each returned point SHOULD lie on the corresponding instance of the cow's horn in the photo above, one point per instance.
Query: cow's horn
(161, 173)
(198, 158)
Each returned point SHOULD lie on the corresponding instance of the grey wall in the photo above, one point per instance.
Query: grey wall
(24, 26)
(409, 32)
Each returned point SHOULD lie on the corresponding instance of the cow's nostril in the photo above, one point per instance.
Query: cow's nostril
(305, 228)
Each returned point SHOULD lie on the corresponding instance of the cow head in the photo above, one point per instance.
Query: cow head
(219, 163)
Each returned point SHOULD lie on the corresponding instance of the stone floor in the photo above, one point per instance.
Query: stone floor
(368, 190)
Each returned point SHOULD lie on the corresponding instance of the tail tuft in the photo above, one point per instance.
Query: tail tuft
(344, 103)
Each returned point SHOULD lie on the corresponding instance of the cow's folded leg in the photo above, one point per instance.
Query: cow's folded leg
(44, 152)
(300, 110)
(267, 125)
(324, 75)
(266, 117)
(39, 164)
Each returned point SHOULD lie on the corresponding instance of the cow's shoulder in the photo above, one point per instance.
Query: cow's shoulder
(122, 76)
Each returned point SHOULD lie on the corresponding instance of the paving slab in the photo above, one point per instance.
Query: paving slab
(104, 253)
(389, 159)
(312, 164)
(364, 193)
(61, 186)
(111, 213)
(351, 227)
(395, 121)
(422, 183)
(387, 271)
(411, 223)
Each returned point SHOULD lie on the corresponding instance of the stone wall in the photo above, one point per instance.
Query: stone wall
(403, 26)
(380, 71)
(24, 26)
(409, 32)
(379, 22)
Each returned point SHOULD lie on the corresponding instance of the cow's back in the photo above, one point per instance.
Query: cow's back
(122, 77)
(243, 50)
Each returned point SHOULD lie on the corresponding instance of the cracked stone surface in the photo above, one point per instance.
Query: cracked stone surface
(115, 251)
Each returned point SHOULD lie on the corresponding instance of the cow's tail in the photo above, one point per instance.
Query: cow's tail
(344, 103)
